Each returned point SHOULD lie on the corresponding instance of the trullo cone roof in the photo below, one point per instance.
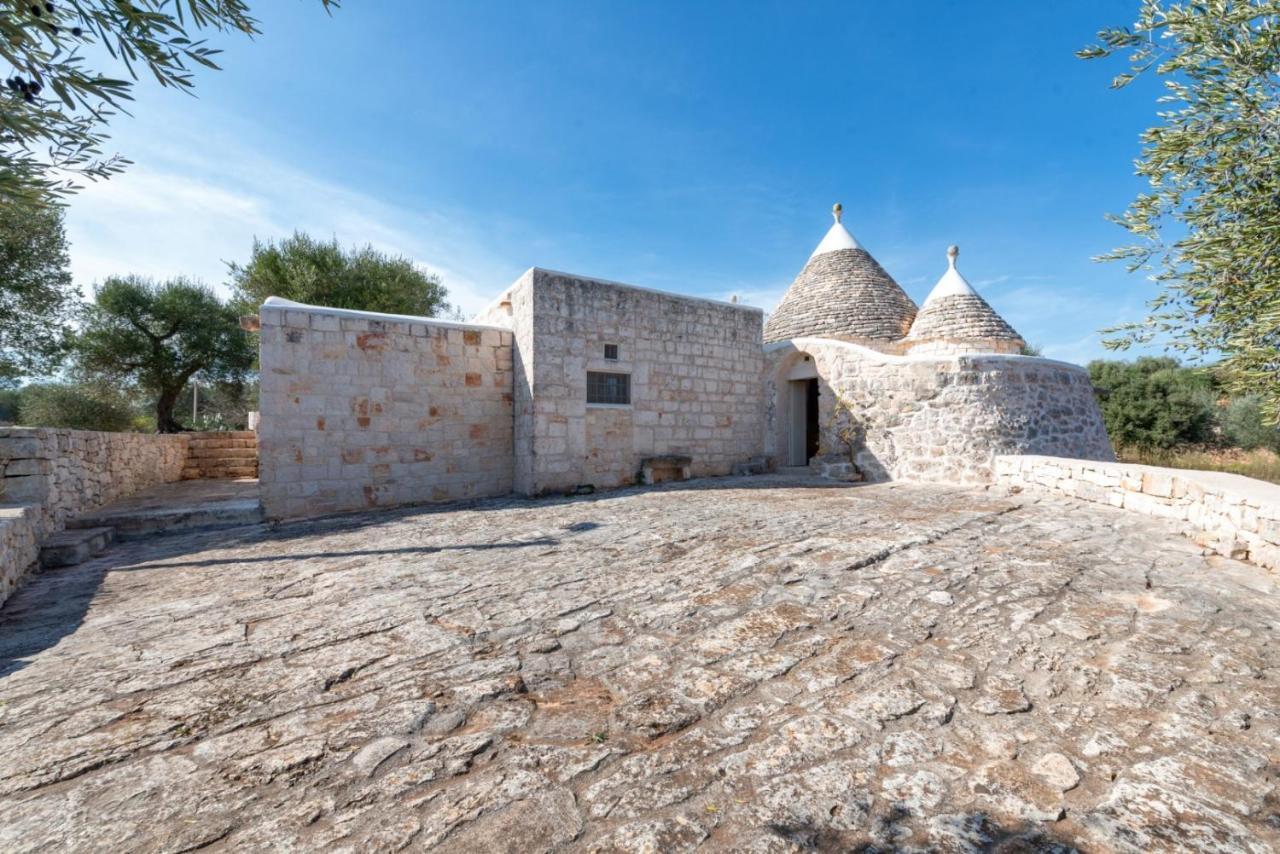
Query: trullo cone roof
(843, 293)
(954, 311)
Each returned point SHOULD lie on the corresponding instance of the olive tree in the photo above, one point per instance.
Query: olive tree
(54, 109)
(1208, 226)
(157, 336)
(38, 301)
(320, 272)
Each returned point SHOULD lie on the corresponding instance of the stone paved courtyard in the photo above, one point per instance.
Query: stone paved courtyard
(744, 665)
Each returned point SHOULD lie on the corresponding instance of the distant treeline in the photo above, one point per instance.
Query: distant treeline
(1158, 404)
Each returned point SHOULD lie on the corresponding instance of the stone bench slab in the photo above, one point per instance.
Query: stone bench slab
(71, 547)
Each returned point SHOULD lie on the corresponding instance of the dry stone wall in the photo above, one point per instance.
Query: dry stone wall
(363, 410)
(934, 418)
(960, 317)
(1230, 514)
(695, 370)
(844, 294)
(49, 475)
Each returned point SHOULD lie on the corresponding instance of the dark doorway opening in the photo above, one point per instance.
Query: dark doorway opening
(811, 421)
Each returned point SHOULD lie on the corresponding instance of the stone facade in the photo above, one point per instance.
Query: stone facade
(361, 410)
(932, 418)
(49, 475)
(1230, 514)
(695, 379)
(599, 377)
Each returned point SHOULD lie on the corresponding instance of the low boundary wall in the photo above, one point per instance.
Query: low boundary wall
(1231, 514)
(48, 475)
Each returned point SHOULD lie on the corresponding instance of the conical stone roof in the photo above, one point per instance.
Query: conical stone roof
(954, 311)
(842, 293)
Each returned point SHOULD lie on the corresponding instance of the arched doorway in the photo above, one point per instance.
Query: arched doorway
(801, 391)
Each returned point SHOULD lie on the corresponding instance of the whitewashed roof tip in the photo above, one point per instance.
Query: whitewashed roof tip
(955, 311)
(952, 282)
(837, 237)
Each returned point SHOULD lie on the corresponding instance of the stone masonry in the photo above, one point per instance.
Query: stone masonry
(695, 374)
(361, 410)
(844, 294)
(960, 321)
(1233, 515)
(49, 475)
(601, 377)
(221, 454)
(940, 418)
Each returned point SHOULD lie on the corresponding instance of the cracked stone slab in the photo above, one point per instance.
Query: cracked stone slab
(742, 664)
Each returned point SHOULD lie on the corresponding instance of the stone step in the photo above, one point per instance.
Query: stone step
(74, 546)
(222, 453)
(238, 474)
(222, 434)
(219, 472)
(136, 524)
(219, 444)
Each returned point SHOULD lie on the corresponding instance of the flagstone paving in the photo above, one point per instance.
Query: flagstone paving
(745, 665)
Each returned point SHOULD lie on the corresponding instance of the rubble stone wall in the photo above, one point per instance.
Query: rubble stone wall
(363, 410)
(933, 418)
(695, 368)
(1228, 513)
(48, 475)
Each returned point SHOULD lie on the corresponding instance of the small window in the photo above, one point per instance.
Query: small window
(611, 352)
(608, 388)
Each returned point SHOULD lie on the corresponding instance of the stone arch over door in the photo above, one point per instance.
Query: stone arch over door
(796, 392)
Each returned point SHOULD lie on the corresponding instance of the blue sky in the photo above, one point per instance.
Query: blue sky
(689, 147)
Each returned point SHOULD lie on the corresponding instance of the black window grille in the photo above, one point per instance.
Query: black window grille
(611, 352)
(604, 387)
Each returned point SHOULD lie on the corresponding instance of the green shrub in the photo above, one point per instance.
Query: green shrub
(9, 399)
(1243, 425)
(74, 406)
(1154, 403)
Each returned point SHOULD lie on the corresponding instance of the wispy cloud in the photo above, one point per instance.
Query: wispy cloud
(197, 199)
(179, 213)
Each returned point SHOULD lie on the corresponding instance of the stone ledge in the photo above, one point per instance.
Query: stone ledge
(1229, 514)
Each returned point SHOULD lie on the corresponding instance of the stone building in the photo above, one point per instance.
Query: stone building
(566, 383)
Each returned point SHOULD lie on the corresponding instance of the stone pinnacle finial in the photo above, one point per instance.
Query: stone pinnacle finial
(952, 252)
(836, 210)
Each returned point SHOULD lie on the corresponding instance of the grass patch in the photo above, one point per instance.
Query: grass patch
(1261, 464)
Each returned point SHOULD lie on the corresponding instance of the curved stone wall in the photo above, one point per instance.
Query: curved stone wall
(933, 417)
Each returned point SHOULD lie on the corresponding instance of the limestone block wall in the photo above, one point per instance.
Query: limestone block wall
(1228, 513)
(48, 475)
(696, 380)
(363, 410)
(941, 418)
